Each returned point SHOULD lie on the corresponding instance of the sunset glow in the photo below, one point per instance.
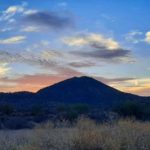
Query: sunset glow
(42, 43)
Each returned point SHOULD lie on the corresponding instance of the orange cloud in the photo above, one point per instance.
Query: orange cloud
(35, 82)
(135, 86)
(29, 82)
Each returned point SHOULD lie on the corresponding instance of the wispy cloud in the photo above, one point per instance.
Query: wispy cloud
(34, 82)
(147, 37)
(30, 29)
(134, 36)
(52, 20)
(7, 29)
(11, 11)
(82, 64)
(104, 53)
(140, 86)
(4, 69)
(90, 39)
(27, 57)
(13, 40)
(97, 46)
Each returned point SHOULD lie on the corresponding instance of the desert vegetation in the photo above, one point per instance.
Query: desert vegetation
(83, 134)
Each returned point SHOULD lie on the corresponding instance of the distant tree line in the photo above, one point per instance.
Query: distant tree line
(133, 109)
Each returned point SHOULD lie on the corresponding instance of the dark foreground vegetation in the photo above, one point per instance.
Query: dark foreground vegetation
(83, 134)
(12, 119)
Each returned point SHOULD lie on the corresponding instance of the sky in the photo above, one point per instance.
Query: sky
(44, 42)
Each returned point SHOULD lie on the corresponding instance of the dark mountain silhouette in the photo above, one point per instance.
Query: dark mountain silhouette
(74, 90)
(86, 90)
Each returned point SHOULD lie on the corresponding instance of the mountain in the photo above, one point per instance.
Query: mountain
(74, 90)
(68, 100)
(86, 90)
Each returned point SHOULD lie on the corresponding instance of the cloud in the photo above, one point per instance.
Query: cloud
(104, 53)
(90, 39)
(13, 40)
(148, 68)
(27, 57)
(97, 46)
(9, 14)
(4, 69)
(147, 37)
(140, 86)
(51, 20)
(137, 37)
(14, 9)
(30, 11)
(47, 60)
(80, 64)
(114, 80)
(34, 82)
(30, 29)
(134, 37)
(7, 29)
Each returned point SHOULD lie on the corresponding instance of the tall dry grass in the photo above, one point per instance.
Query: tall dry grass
(84, 135)
(122, 135)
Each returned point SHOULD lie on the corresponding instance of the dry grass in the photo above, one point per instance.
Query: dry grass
(85, 135)
(123, 135)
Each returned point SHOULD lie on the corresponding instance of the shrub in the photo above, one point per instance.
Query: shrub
(72, 112)
(6, 109)
(36, 110)
(130, 109)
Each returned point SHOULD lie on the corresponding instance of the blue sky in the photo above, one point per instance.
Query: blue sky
(42, 43)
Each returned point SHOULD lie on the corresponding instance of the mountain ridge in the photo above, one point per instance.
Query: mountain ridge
(82, 89)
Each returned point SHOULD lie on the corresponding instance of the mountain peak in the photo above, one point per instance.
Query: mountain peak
(81, 78)
(79, 89)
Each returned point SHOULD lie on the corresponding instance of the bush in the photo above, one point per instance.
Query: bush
(72, 112)
(36, 110)
(130, 109)
(6, 109)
